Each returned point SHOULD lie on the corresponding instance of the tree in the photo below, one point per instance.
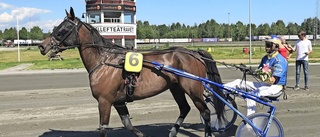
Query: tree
(194, 31)
(140, 32)
(307, 26)
(36, 33)
(240, 32)
(202, 32)
(293, 28)
(10, 34)
(253, 30)
(281, 27)
(1, 35)
(162, 29)
(23, 33)
(148, 32)
(225, 30)
(278, 28)
(154, 32)
(263, 29)
(175, 26)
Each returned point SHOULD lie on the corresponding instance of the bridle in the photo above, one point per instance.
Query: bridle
(61, 35)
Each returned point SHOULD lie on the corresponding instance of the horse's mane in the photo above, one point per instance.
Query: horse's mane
(103, 45)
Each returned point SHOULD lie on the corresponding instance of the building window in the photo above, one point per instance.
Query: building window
(112, 17)
(128, 18)
(129, 43)
(94, 18)
(112, 20)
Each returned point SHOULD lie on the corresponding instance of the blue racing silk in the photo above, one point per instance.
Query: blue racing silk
(278, 65)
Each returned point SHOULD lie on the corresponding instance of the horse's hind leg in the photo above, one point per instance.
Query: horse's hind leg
(180, 98)
(125, 118)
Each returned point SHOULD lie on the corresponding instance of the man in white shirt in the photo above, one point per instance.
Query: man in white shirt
(303, 48)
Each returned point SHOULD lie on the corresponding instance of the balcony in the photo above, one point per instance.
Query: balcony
(124, 2)
(93, 1)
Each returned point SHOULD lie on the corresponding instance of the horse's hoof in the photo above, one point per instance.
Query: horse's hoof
(102, 131)
(173, 133)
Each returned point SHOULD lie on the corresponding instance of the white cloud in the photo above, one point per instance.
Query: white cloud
(4, 6)
(5, 17)
(46, 25)
(28, 12)
(24, 14)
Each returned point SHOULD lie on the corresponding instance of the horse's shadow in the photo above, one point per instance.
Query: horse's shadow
(154, 130)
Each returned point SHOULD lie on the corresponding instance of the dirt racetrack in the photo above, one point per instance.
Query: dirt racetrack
(73, 113)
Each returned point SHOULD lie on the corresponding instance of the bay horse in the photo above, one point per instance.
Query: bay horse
(103, 61)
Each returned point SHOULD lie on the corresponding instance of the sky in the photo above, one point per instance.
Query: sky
(49, 13)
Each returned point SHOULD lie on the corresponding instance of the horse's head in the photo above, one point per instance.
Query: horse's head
(64, 36)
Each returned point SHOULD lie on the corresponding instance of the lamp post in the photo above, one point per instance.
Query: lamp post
(229, 23)
(250, 54)
(315, 21)
(18, 38)
(84, 16)
(192, 37)
(229, 28)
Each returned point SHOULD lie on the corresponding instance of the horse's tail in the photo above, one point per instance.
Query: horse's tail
(213, 75)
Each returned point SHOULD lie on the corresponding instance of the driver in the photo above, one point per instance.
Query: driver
(273, 70)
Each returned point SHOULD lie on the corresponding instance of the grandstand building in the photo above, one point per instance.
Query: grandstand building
(114, 19)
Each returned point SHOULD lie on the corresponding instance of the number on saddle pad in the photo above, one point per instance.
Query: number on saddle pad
(133, 62)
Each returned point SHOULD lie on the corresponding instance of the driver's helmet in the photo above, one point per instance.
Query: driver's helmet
(272, 42)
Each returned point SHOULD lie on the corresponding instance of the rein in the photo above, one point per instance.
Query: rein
(241, 67)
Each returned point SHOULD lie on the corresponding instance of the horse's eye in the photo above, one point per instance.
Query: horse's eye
(62, 33)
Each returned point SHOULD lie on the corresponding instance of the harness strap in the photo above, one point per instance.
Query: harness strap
(94, 69)
(103, 63)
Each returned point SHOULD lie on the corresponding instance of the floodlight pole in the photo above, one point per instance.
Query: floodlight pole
(250, 51)
(229, 32)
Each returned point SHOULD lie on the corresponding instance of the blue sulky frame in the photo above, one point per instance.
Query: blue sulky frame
(246, 95)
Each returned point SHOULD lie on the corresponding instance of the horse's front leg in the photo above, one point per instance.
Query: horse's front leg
(125, 118)
(104, 112)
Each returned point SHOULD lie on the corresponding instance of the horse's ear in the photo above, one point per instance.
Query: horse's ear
(72, 16)
(67, 13)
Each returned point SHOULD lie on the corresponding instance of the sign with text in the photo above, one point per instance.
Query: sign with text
(116, 29)
(110, 7)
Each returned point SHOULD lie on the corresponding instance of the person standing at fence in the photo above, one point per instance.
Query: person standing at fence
(303, 49)
(275, 66)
